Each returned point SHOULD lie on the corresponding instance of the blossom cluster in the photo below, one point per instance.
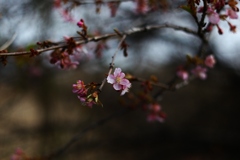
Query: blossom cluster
(63, 59)
(199, 71)
(82, 93)
(218, 10)
(68, 57)
(120, 83)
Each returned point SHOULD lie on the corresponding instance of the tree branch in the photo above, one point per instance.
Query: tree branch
(107, 36)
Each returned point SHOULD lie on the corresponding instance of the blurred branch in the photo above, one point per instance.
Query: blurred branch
(158, 84)
(201, 23)
(76, 138)
(8, 43)
(107, 36)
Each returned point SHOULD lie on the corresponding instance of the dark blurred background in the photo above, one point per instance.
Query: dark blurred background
(39, 113)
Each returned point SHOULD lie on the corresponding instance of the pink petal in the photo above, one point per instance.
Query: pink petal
(210, 61)
(117, 86)
(111, 79)
(125, 82)
(117, 71)
(232, 14)
(121, 75)
(182, 74)
(214, 18)
(124, 91)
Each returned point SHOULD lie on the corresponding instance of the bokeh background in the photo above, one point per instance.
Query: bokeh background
(39, 113)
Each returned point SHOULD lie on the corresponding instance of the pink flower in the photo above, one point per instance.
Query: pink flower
(182, 73)
(82, 93)
(200, 72)
(210, 61)
(232, 14)
(213, 16)
(79, 87)
(119, 82)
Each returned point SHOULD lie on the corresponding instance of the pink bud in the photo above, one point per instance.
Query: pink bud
(80, 23)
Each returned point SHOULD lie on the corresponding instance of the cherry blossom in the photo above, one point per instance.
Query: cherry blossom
(213, 16)
(82, 93)
(200, 72)
(119, 82)
(210, 61)
(182, 73)
(232, 14)
(79, 87)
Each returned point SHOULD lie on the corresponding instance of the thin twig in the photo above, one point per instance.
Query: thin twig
(184, 83)
(112, 62)
(158, 84)
(161, 26)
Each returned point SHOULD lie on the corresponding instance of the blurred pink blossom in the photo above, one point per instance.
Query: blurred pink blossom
(210, 61)
(213, 16)
(79, 87)
(232, 14)
(182, 73)
(200, 72)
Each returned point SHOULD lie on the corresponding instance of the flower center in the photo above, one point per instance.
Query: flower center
(118, 79)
